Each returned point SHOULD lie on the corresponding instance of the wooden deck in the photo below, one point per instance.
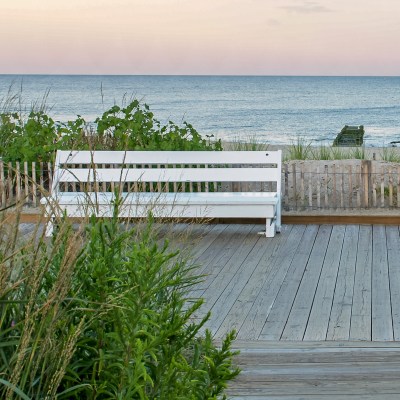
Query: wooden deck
(309, 283)
(316, 309)
(317, 371)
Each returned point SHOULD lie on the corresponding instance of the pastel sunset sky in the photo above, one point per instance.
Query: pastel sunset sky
(243, 37)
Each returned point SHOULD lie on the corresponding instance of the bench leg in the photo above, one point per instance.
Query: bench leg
(278, 217)
(270, 228)
(49, 229)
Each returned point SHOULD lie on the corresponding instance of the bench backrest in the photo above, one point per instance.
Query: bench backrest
(167, 166)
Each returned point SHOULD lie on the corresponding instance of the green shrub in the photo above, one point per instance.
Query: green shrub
(133, 127)
(30, 140)
(103, 314)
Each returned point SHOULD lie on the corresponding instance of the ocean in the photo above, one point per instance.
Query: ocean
(270, 109)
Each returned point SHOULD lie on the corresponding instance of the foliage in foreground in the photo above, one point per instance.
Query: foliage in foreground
(102, 314)
(37, 136)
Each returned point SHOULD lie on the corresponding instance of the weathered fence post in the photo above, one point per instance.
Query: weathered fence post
(2, 185)
(366, 182)
(34, 189)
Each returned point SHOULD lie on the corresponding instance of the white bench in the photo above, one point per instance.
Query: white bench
(146, 180)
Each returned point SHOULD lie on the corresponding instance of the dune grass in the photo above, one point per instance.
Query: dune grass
(249, 143)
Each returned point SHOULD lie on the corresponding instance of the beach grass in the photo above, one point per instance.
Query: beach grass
(389, 154)
(249, 143)
(299, 150)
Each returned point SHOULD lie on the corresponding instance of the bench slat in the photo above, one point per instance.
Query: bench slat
(170, 175)
(170, 157)
(168, 198)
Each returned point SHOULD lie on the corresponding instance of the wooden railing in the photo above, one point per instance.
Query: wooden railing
(306, 185)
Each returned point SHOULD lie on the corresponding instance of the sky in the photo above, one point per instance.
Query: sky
(200, 37)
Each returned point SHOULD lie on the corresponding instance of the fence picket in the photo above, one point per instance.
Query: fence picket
(350, 187)
(34, 194)
(342, 186)
(382, 188)
(398, 187)
(318, 189)
(26, 181)
(326, 187)
(294, 180)
(358, 183)
(390, 188)
(17, 182)
(41, 178)
(310, 189)
(286, 198)
(302, 184)
(10, 184)
(2, 185)
(334, 186)
(50, 175)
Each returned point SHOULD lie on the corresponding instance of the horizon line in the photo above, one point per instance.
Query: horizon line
(205, 75)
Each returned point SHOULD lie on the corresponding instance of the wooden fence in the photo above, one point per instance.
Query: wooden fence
(306, 185)
(347, 184)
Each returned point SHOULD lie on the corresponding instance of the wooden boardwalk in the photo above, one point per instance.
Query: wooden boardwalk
(317, 370)
(308, 283)
(316, 309)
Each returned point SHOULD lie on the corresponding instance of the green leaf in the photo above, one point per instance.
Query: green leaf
(15, 389)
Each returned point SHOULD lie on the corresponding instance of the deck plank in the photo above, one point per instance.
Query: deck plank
(222, 243)
(224, 290)
(316, 370)
(360, 328)
(339, 323)
(382, 326)
(265, 301)
(222, 251)
(277, 318)
(393, 248)
(247, 284)
(223, 270)
(299, 314)
(318, 321)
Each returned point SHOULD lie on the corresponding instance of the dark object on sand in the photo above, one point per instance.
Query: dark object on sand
(350, 136)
